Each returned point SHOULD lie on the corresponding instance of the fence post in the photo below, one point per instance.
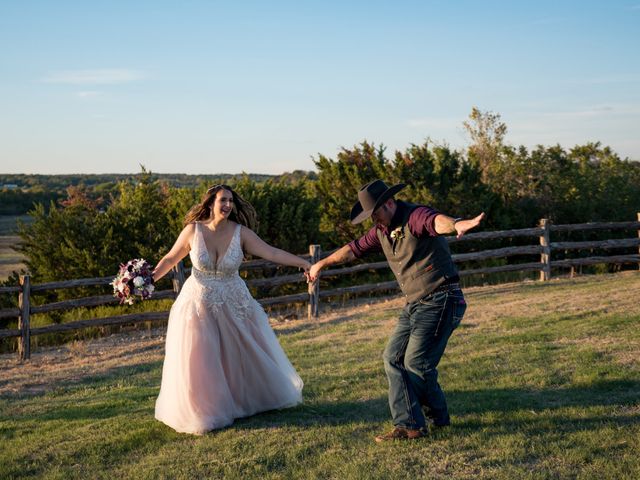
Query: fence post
(24, 303)
(545, 255)
(178, 277)
(638, 214)
(314, 288)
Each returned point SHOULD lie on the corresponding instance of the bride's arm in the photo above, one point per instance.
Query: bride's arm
(254, 245)
(179, 250)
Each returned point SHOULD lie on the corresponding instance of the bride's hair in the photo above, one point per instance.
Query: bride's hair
(242, 213)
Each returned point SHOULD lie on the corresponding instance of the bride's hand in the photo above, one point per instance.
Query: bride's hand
(307, 268)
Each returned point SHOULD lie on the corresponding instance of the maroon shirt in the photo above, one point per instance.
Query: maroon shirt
(421, 222)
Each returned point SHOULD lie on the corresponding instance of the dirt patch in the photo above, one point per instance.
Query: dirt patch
(52, 367)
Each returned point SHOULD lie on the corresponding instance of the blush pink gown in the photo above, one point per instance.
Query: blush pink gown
(222, 359)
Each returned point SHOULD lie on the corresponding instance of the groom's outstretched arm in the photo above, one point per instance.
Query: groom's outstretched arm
(342, 255)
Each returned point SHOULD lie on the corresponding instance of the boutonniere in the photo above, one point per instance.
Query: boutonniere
(397, 234)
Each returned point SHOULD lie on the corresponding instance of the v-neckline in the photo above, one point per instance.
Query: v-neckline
(220, 257)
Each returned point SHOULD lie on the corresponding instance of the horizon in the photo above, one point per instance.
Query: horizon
(251, 87)
(154, 173)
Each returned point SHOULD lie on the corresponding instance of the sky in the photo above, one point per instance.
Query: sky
(207, 87)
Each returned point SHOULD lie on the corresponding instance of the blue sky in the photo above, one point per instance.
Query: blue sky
(264, 87)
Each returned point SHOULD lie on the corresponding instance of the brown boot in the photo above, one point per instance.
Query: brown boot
(401, 433)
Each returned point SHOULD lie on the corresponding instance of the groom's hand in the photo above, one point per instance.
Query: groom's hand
(314, 272)
(463, 226)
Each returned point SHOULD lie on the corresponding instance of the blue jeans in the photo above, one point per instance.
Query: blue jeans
(412, 356)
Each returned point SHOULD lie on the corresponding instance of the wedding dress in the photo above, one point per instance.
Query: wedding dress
(222, 359)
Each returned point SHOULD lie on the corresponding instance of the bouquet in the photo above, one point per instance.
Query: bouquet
(134, 278)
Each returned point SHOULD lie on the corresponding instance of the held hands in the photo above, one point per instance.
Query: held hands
(463, 226)
(306, 267)
(314, 272)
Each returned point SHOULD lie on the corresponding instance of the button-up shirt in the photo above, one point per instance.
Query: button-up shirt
(421, 222)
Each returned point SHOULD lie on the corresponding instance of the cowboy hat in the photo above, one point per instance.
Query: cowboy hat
(370, 197)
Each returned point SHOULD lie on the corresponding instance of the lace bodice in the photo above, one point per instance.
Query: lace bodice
(226, 266)
(213, 285)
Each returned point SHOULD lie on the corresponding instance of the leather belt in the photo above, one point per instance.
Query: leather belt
(447, 287)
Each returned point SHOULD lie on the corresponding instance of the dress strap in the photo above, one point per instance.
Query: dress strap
(199, 239)
(238, 237)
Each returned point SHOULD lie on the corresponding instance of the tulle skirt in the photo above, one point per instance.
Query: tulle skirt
(222, 360)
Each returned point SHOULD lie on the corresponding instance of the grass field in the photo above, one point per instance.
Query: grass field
(10, 260)
(543, 382)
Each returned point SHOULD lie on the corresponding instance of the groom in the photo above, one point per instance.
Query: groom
(409, 236)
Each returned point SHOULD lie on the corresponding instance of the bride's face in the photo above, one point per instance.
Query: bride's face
(223, 204)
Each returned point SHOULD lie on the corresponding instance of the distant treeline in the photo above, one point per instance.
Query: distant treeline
(19, 192)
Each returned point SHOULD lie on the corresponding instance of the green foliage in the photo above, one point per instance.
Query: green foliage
(338, 184)
(80, 240)
(606, 188)
(588, 183)
(442, 178)
(487, 132)
(435, 175)
(288, 212)
(16, 202)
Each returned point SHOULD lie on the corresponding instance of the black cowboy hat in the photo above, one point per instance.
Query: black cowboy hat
(370, 197)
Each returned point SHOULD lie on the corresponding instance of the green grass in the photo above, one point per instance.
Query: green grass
(543, 382)
(9, 223)
(10, 260)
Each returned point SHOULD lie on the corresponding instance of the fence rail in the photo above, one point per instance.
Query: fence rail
(544, 250)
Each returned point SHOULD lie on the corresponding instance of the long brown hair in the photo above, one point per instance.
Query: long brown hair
(242, 213)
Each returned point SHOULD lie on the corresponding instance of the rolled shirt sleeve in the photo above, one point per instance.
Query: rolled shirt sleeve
(366, 244)
(422, 222)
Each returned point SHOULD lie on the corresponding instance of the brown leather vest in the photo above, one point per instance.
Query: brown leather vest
(420, 264)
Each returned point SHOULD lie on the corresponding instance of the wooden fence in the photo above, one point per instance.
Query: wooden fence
(544, 249)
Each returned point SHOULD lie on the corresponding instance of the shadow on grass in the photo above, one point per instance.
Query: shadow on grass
(102, 398)
(618, 394)
(600, 393)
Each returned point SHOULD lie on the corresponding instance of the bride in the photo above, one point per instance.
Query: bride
(222, 359)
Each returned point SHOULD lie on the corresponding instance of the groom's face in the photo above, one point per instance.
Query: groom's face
(384, 213)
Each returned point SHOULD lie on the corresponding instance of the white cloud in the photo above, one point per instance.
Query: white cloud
(88, 94)
(105, 76)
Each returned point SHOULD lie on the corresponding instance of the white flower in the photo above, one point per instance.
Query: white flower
(150, 288)
(397, 233)
(138, 282)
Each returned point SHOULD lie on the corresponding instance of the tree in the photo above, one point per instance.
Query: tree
(487, 134)
(288, 211)
(77, 239)
(435, 175)
(338, 184)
